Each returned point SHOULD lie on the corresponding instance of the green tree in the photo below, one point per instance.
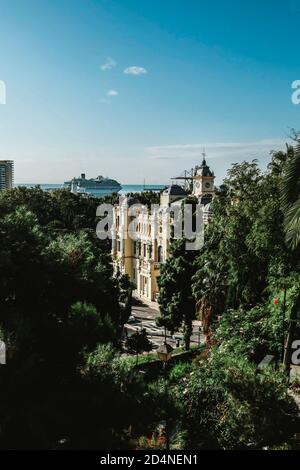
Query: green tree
(58, 298)
(244, 243)
(138, 342)
(70, 211)
(290, 195)
(229, 405)
(290, 198)
(176, 302)
(126, 288)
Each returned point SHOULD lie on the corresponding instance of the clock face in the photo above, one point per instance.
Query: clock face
(198, 185)
(207, 185)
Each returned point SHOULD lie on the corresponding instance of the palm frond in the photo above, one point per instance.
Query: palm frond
(290, 188)
(292, 224)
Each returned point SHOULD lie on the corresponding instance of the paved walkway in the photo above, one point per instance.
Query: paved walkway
(145, 315)
(146, 302)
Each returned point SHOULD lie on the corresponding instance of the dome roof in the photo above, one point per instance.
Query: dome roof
(130, 201)
(174, 190)
(204, 169)
(207, 208)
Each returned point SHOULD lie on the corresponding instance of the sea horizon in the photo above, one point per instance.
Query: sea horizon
(126, 188)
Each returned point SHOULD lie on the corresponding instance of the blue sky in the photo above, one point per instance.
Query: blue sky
(216, 74)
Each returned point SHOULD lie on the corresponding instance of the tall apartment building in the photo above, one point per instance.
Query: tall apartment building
(6, 174)
(142, 256)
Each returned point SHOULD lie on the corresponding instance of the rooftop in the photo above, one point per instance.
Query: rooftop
(174, 190)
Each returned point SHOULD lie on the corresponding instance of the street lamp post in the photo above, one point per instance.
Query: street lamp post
(164, 353)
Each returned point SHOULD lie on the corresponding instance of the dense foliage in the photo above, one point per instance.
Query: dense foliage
(66, 383)
(229, 405)
(58, 300)
(138, 342)
(176, 302)
(246, 283)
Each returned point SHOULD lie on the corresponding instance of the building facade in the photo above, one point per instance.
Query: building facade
(6, 174)
(141, 238)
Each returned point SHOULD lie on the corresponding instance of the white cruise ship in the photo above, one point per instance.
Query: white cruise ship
(94, 187)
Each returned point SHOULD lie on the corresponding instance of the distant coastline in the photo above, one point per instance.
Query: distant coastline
(126, 188)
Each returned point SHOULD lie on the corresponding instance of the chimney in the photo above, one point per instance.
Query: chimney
(83, 176)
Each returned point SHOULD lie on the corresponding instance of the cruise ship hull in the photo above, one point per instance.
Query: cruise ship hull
(97, 192)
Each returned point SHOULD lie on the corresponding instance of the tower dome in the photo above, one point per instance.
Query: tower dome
(203, 181)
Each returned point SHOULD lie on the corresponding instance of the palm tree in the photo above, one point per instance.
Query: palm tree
(290, 199)
(279, 159)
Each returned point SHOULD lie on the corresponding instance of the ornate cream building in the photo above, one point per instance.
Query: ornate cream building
(141, 239)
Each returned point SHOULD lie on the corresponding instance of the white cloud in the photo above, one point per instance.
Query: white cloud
(112, 93)
(135, 70)
(108, 64)
(224, 150)
(170, 160)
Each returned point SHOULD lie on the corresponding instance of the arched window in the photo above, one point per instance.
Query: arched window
(160, 254)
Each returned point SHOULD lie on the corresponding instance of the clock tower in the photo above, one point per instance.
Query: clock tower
(203, 182)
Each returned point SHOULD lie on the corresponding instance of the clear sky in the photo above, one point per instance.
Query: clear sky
(134, 89)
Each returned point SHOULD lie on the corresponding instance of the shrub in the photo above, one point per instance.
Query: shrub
(179, 371)
(229, 405)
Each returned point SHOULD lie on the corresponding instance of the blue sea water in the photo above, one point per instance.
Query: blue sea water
(126, 188)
